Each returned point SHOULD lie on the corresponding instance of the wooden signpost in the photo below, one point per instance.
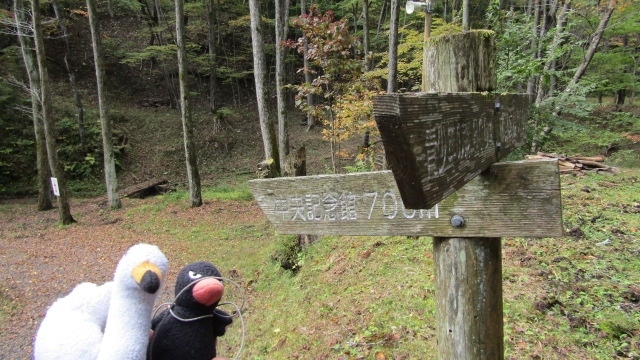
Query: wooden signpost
(436, 143)
(511, 199)
(442, 149)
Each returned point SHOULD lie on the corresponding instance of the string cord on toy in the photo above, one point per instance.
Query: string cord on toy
(238, 309)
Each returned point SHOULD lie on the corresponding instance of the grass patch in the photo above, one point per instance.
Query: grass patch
(7, 307)
(227, 192)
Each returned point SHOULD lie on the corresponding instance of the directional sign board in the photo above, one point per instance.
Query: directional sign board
(511, 199)
(436, 143)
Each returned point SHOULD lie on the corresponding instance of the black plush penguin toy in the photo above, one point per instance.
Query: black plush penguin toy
(191, 325)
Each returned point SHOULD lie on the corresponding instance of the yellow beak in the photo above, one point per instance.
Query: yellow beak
(148, 276)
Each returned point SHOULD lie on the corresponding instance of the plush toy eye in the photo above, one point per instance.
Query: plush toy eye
(194, 275)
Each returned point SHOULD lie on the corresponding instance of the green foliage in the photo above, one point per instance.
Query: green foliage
(79, 164)
(514, 55)
(17, 145)
(228, 192)
(364, 162)
(155, 52)
(345, 107)
(125, 7)
(585, 129)
(288, 254)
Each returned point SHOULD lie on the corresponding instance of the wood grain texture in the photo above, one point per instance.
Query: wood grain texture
(511, 199)
(469, 312)
(463, 62)
(436, 143)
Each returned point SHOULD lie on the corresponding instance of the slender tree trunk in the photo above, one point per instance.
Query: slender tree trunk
(193, 175)
(634, 77)
(26, 47)
(382, 15)
(604, 20)
(392, 82)
(110, 8)
(282, 25)
(213, 73)
(535, 38)
(465, 15)
(72, 79)
(307, 72)
(64, 209)
(259, 73)
(365, 35)
(167, 71)
(557, 40)
(110, 177)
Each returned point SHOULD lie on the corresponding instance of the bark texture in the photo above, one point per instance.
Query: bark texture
(193, 174)
(110, 177)
(64, 209)
(461, 62)
(26, 47)
(259, 73)
(392, 80)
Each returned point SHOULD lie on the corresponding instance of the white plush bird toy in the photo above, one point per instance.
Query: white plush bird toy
(110, 321)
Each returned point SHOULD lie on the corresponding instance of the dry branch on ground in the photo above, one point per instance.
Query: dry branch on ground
(576, 163)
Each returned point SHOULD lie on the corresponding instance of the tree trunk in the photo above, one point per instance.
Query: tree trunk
(213, 78)
(392, 81)
(26, 47)
(167, 71)
(461, 62)
(633, 87)
(465, 15)
(558, 37)
(64, 209)
(193, 175)
(111, 180)
(593, 46)
(469, 310)
(72, 79)
(259, 73)
(621, 95)
(307, 73)
(382, 15)
(365, 35)
(110, 8)
(282, 25)
(531, 85)
(468, 271)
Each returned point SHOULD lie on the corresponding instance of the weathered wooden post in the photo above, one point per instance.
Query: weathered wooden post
(468, 271)
(445, 182)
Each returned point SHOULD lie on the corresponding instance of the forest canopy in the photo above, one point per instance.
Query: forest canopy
(568, 55)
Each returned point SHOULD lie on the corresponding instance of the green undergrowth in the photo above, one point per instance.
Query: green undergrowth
(575, 297)
(609, 133)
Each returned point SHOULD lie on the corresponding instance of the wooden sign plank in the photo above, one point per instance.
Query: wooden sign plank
(436, 143)
(511, 199)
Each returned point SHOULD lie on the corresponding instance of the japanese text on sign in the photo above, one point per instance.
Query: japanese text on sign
(346, 206)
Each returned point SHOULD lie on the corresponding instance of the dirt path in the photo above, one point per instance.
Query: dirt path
(40, 261)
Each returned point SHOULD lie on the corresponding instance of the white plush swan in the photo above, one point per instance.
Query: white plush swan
(110, 321)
